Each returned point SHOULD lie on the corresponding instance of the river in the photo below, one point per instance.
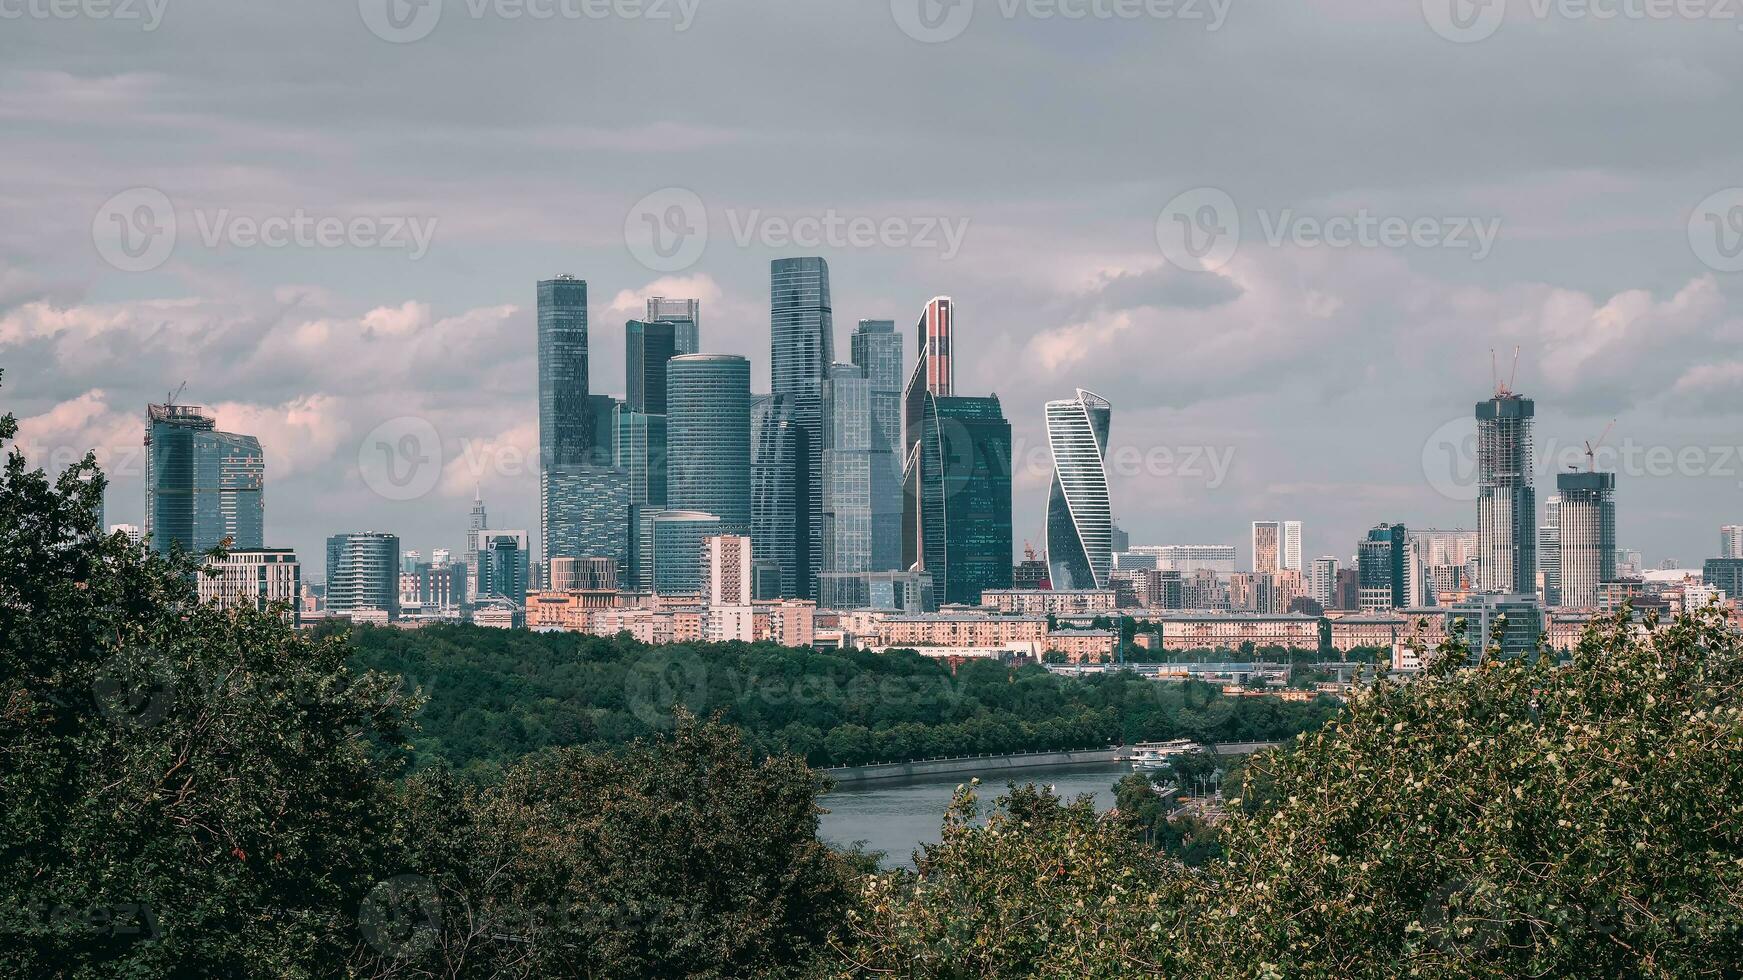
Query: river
(897, 816)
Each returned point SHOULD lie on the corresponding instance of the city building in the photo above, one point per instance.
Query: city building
(573, 469)
(1349, 590)
(1185, 558)
(877, 350)
(477, 521)
(1380, 561)
(780, 494)
(728, 569)
(686, 315)
(1506, 499)
(1549, 551)
(1587, 526)
(1079, 510)
(1290, 558)
(363, 574)
(1724, 574)
(1049, 602)
(850, 443)
(1084, 646)
(894, 591)
(708, 463)
(1031, 572)
(640, 450)
(801, 349)
(582, 574)
(255, 578)
(647, 348)
(1518, 618)
(1322, 584)
(202, 486)
(1731, 541)
(134, 533)
(959, 630)
(672, 549)
(1233, 631)
(956, 517)
(504, 559)
(1438, 560)
(1267, 546)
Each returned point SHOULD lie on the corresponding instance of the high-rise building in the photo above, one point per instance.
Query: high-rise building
(877, 350)
(708, 461)
(1079, 510)
(254, 578)
(780, 493)
(1587, 523)
(1725, 574)
(848, 453)
(1506, 499)
(801, 349)
(202, 486)
(647, 348)
(503, 565)
(672, 549)
(582, 574)
(1731, 541)
(565, 416)
(1437, 560)
(686, 314)
(1380, 561)
(728, 559)
(641, 455)
(1290, 557)
(363, 573)
(583, 496)
(1324, 581)
(956, 516)
(1549, 550)
(1267, 546)
(478, 521)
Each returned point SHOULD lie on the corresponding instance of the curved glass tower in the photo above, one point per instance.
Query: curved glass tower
(708, 438)
(1079, 514)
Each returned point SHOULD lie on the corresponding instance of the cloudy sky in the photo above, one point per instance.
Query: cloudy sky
(1281, 238)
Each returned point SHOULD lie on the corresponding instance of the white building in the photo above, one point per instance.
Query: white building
(254, 578)
(726, 562)
(1323, 583)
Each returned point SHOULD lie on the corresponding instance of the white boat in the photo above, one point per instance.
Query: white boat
(1161, 755)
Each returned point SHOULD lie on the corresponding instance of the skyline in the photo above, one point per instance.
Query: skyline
(1268, 363)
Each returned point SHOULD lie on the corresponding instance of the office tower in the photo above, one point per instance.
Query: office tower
(583, 496)
(641, 452)
(877, 350)
(440, 557)
(565, 418)
(409, 560)
(780, 494)
(1506, 500)
(728, 561)
(1521, 629)
(956, 515)
(1121, 540)
(672, 550)
(582, 574)
(1549, 550)
(1587, 523)
(647, 348)
(1349, 590)
(1725, 574)
(1438, 560)
(202, 486)
(1380, 561)
(708, 438)
(1079, 512)
(765, 578)
(477, 521)
(363, 573)
(848, 441)
(801, 349)
(895, 591)
(504, 559)
(686, 314)
(1324, 582)
(254, 578)
(1731, 541)
(1290, 547)
(1267, 546)
(441, 586)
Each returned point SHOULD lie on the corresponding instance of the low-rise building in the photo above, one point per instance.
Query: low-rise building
(1084, 646)
(1047, 602)
(1230, 631)
(255, 578)
(960, 630)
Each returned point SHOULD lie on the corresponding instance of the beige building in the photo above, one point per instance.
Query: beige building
(1228, 631)
(1084, 646)
(254, 578)
(1043, 602)
(954, 630)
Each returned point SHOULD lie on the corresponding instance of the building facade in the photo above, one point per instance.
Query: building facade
(780, 491)
(877, 350)
(1587, 523)
(363, 573)
(849, 441)
(1080, 517)
(708, 462)
(956, 517)
(801, 349)
(254, 579)
(1506, 498)
(202, 486)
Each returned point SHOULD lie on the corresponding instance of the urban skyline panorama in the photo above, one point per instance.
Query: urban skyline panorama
(1287, 379)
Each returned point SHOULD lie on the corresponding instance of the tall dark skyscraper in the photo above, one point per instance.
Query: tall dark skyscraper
(708, 438)
(583, 496)
(1506, 499)
(780, 495)
(565, 422)
(801, 348)
(647, 348)
(877, 349)
(848, 437)
(201, 485)
(685, 315)
(957, 497)
(1380, 562)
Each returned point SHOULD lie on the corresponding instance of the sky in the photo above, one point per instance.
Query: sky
(1282, 239)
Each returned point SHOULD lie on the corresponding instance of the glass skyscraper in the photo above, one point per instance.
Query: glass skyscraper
(1506, 499)
(801, 349)
(708, 438)
(1080, 519)
(956, 513)
(363, 572)
(202, 486)
(848, 441)
(647, 348)
(641, 454)
(780, 493)
(877, 350)
(1587, 522)
(686, 315)
(565, 419)
(671, 550)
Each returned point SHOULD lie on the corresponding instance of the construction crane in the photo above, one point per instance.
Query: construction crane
(1592, 450)
(171, 400)
(1503, 390)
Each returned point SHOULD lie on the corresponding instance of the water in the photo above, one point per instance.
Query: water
(897, 816)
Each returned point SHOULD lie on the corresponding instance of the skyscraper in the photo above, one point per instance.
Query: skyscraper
(479, 521)
(956, 515)
(708, 463)
(504, 565)
(1588, 536)
(1324, 581)
(1290, 547)
(363, 572)
(1079, 512)
(849, 438)
(1731, 541)
(1506, 499)
(1380, 561)
(672, 549)
(877, 349)
(565, 421)
(1267, 546)
(647, 348)
(801, 349)
(780, 494)
(686, 315)
(201, 486)
(583, 497)
(1549, 550)
(641, 453)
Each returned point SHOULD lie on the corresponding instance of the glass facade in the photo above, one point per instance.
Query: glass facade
(568, 427)
(848, 440)
(202, 486)
(801, 349)
(671, 551)
(956, 513)
(363, 572)
(877, 350)
(1080, 518)
(1506, 499)
(780, 497)
(641, 455)
(685, 315)
(647, 348)
(708, 459)
(503, 565)
(1587, 538)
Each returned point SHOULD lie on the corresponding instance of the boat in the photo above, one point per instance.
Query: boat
(1147, 756)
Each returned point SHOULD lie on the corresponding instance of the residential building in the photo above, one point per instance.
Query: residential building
(1049, 602)
(1079, 509)
(1323, 583)
(1084, 646)
(1267, 546)
(958, 630)
(1549, 551)
(1187, 558)
(203, 487)
(363, 573)
(1232, 631)
(254, 578)
(1731, 541)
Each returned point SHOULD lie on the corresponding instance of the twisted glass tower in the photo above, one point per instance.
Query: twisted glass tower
(1079, 513)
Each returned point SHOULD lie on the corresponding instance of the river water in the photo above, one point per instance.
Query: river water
(897, 816)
